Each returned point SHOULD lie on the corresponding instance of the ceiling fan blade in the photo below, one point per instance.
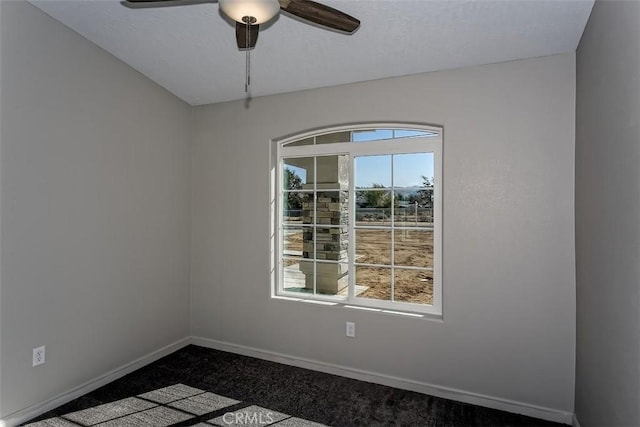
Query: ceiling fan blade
(143, 4)
(246, 39)
(320, 14)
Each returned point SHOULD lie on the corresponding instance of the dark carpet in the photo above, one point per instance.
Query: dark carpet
(207, 384)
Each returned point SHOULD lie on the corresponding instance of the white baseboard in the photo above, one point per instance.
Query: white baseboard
(40, 408)
(372, 377)
(575, 422)
(548, 414)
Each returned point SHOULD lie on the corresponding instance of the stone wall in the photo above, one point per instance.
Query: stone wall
(327, 240)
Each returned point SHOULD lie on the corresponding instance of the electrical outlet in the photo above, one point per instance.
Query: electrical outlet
(351, 329)
(38, 356)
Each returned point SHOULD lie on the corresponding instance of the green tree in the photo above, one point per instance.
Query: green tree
(376, 197)
(292, 182)
(424, 196)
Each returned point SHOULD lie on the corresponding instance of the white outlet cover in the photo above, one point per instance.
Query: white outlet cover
(38, 356)
(351, 329)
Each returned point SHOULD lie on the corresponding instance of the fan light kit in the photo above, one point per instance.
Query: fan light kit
(249, 14)
(255, 11)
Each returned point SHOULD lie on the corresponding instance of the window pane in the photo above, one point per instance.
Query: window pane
(373, 246)
(373, 282)
(373, 172)
(425, 216)
(331, 278)
(332, 208)
(412, 171)
(415, 286)
(375, 198)
(331, 138)
(308, 207)
(372, 135)
(413, 216)
(308, 243)
(329, 240)
(332, 172)
(413, 181)
(406, 133)
(306, 141)
(298, 173)
(289, 262)
(413, 248)
(293, 210)
(294, 278)
(371, 216)
(292, 238)
(331, 244)
(404, 214)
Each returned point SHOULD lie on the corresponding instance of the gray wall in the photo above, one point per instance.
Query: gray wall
(95, 186)
(607, 217)
(0, 214)
(509, 266)
(96, 206)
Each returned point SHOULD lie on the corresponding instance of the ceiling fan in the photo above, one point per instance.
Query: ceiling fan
(249, 14)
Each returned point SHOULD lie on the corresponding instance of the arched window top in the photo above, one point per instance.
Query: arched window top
(362, 134)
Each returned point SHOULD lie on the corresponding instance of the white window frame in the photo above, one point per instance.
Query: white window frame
(410, 145)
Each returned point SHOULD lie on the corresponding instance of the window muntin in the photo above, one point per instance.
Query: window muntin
(359, 223)
(362, 135)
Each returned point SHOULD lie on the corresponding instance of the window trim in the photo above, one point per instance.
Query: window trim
(417, 144)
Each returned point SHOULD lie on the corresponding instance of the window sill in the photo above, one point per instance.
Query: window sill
(398, 313)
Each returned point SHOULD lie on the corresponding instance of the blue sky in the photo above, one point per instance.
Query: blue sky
(407, 168)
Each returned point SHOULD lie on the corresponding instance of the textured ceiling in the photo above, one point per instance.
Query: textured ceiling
(191, 50)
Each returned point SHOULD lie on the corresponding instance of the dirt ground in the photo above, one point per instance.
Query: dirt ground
(412, 248)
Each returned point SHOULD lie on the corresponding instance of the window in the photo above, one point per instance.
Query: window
(358, 218)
